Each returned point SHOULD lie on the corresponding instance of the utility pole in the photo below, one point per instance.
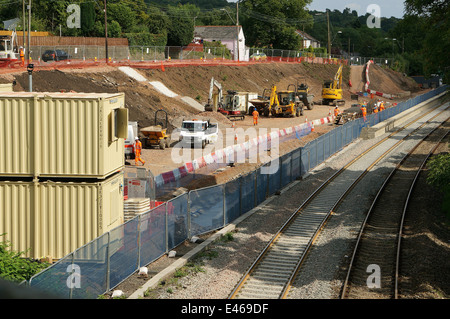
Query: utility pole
(29, 28)
(349, 46)
(106, 35)
(329, 40)
(237, 27)
(23, 23)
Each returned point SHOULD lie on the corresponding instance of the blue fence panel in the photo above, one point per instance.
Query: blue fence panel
(152, 234)
(206, 209)
(93, 262)
(320, 150)
(106, 261)
(347, 133)
(262, 181)
(326, 146)
(124, 251)
(304, 160)
(332, 141)
(295, 166)
(248, 192)
(53, 280)
(338, 138)
(286, 168)
(177, 220)
(274, 175)
(232, 200)
(312, 154)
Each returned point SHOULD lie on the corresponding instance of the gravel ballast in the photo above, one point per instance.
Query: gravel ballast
(214, 273)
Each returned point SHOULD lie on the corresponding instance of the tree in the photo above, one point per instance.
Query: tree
(436, 42)
(272, 23)
(87, 17)
(123, 15)
(439, 177)
(180, 31)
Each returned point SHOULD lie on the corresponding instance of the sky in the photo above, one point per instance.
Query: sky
(388, 8)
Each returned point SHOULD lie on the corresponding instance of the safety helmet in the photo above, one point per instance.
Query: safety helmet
(136, 138)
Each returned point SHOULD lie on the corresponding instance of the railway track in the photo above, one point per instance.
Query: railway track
(273, 272)
(374, 266)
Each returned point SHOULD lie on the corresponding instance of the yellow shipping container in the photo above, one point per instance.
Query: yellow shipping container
(62, 134)
(6, 87)
(52, 219)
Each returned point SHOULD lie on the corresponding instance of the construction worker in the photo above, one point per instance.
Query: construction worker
(364, 111)
(137, 151)
(22, 56)
(336, 111)
(255, 117)
(382, 106)
(375, 109)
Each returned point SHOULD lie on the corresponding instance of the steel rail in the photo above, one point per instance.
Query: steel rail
(322, 222)
(375, 201)
(397, 261)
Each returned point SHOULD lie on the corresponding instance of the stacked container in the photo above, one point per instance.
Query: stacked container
(61, 169)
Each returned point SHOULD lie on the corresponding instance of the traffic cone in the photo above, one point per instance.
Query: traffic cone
(306, 119)
(232, 124)
(235, 137)
(312, 127)
(162, 67)
(329, 112)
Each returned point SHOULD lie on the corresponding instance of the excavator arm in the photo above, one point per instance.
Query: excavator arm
(338, 78)
(214, 83)
(273, 98)
(211, 89)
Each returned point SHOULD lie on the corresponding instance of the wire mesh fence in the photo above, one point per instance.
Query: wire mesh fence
(105, 262)
(116, 53)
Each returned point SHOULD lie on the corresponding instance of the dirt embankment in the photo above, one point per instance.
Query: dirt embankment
(143, 100)
(382, 79)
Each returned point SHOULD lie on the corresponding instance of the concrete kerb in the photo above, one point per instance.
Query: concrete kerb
(170, 270)
(397, 120)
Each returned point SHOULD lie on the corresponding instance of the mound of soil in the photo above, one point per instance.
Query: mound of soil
(388, 81)
(143, 100)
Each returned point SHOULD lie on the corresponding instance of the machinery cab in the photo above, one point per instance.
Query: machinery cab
(7, 47)
(232, 102)
(303, 88)
(286, 97)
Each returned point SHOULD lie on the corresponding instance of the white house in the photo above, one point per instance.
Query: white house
(308, 40)
(227, 35)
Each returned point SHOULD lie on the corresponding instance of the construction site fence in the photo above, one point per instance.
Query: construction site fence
(96, 53)
(107, 261)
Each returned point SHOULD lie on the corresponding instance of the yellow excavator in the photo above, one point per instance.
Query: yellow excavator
(332, 90)
(279, 103)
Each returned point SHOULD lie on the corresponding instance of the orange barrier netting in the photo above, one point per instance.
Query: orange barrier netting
(88, 63)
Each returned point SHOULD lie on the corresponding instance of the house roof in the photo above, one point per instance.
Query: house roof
(306, 36)
(216, 32)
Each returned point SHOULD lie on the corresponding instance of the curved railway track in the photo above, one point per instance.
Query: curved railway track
(374, 266)
(273, 272)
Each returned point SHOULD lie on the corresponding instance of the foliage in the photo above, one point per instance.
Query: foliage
(436, 36)
(87, 18)
(180, 31)
(439, 174)
(420, 41)
(217, 44)
(272, 23)
(15, 268)
(439, 177)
